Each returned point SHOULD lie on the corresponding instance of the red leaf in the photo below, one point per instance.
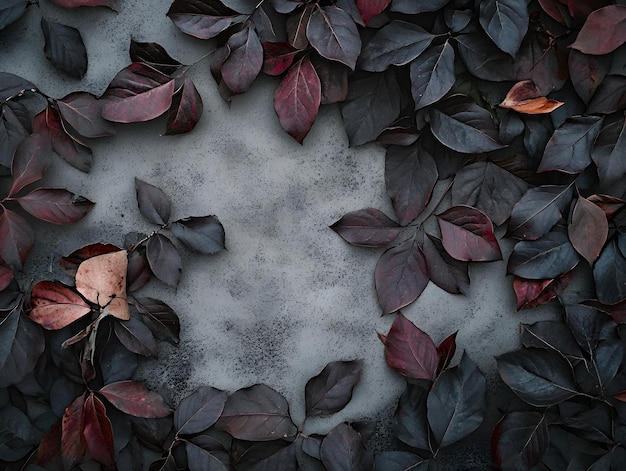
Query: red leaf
(55, 205)
(297, 99)
(603, 31)
(410, 351)
(445, 351)
(74, 259)
(525, 98)
(132, 397)
(467, 235)
(6, 276)
(73, 445)
(588, 229)
(84, 3)
(186, 109)
(371, 8)
(244, 62)
(50, 445)
(610, 205)
(31, 159)
(164, 260)
(98, 432)
(83, 112)
(368, 227)
(140, 107)
(17, 239)
(55, 306)
(277, 57)
(533, 293)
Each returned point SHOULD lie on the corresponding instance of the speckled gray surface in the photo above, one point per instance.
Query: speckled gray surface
(288, 295)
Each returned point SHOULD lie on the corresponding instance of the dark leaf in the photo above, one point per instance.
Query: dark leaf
(610, 95)
(463, 126)
(50, 445)
(541, 378)
(400, 461)
(139, 273)
(410, 177)
(98, 432)
(296, 26)
(411, 7)
(538, 211)
(488, 188)
(331, 390)
(343, 449)
(203, 234)
(164, 259)
(297, 99)
(533, 293)
(160, 318)
(202, 19)
(373, 103)
(73, 444)
(483, 60)
(467, 235)
(449, 274)
(54, 306)
(199, 459)
(446, 350)
(588, 229)
(140, 107)
(333, 34)
(370, 8)
(603, 32)
(551, 335)
(84, 3)
(368, 227)
(257, 413)
(276, 455)
(520, 440)
(285, 6)
(185, 110)
(153, 203)
(55, 205)
(433, 75)
(11, 11)
(277, 57)
(608, 151)
(410, 421)
(409, 350)
(64, 47)
(117, 363)
(12, 133)
(17, 239)
(153, 54)
(199, 411)
(21, 345)
(164, 464)
(83, 112)
(244, 62)
(588, 326)
(396, 43)
(524, 97)
(11, 84)
(506, 23)
(401, 275)
(264, 18)
(136, 337)
(545, 65)
(587, 72)
(6, 277)
(136, 79)
(132, 398)
(31, 160)
(609, 273)
(73, 260)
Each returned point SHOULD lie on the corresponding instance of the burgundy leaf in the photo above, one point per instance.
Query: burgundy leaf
(524, 97)
(84, 3)
(73, 260)
(401, 275)
(132, 398)
(410, 351)
(610, 96)
(55, 205)
(588, 229)
(153, 203)
(83, 112)
(136, 337)
(370, 8)
(296, 26)
(446, 350)
(331, 390)
(12, 133)
(556, 10)
(333, 34)
(607, 152)
(160, 318)
(73, 444)
(17, 239)
(64, 47)
(199, 411)
(244, 62)
(344, 449)
(533, 293)
(610, 205)
(432, 76)
(134, 80)
(277, 57)
(31, 160)
(164, 259)
(603, 32)
(587, 72)
(185, 110)
(202, 19)
(368, 227)
(55, 306)
(204, 234)
(140, 107)
(467, 235)
(98, 432)
(297, 99)
(506, 23)
(50, 445)
(547, 68)
(446, 272)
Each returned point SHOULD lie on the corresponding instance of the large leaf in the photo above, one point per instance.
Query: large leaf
(257, 413)
(199, 411)
(98, 432)
(368, 227)
(153, 203)
(608, 151)
(160, 318)
(432, 76)
(73, 444)
(569, 148)
(603, 32)
(410, 420)
(54, 306)
(55, 205)
(64, 47)
(506, 23)
(401, 275)
(203, 19)
(12, 133)
(409, 350)
(551, 335)
(520, 440)
(446, 272)
(331, 390)
(343, 449)
(588, 229)
(244, 62)
(609, 273)
(11, 11)
(17, 239)
(83, 112)
(164, 259)
(457, 403)
(31, 160)
(185, 110)
(132, 398)
(333, 34)
(140, 107)
(541, 378)
(396, 43)
(410, 177)
(467, 235)
(297, 99)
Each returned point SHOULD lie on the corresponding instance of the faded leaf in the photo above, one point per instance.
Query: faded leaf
(524, 97)
(55, 306)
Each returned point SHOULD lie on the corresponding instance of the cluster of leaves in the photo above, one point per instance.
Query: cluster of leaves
(64, 46)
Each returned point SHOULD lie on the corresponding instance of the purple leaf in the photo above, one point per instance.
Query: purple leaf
(202, 234)
(333, 34)
(533, 293)
(185, 110)
(370, 8)
(277, 57)
(368, 227)
(132, 398)
(141, 107)
(153, 203)
(446, 272)
(55, 205)
(603, 32)
(506, 23)
(154, 55)
(334, 79)
(296, 26)
(64, 47)
(446, 350)
(12, 133)
(344, 449)
(30, 162)
(244, 62)
(83, 112)
(331, 390)
(83, 3)
(164, 260)
(17, 239)
(160, 319)
(587, 72)
(55, 306)
(432, 76)
(199, 411)
(136, 337)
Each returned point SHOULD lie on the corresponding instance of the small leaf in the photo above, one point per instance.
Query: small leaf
(446, 350)
(506, 23)
(344, 449)
(432, 76)
(160, 318)
(331, 390)
(31, 160)
(588, 229)
(603, 32)
(199, 411)
(140, 107)
(132, 398)
(446, 272)
(533, 293)
(277, 57)
(201, 18)
(368, 227)
(55, 205)
(11, 12)
(136, 337)
(17, 239)
(164, 260)
(64, 47)
(54, 306)
(73, 444)
(333, 34)
(203, 234)
(524, 97)
(153, 203)
(520, 440)
(98, 432)
(185, 110)
(370, 8)
(244, 62)
(83, 112)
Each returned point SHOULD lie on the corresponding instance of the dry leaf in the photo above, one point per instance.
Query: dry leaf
(524, 97)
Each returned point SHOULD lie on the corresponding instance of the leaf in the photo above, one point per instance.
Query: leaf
(400, 461)
(185, 110)
(370, 8)
(588, 229)
(277, 57)
(506, 23)
(524, 97)
(12, 133)
(10, 84)
(610, 96)
(551, 335)
(396, 43)
(607, 152)
(164, 260)
(17, 239)
(433, 75)
(462, 125)
(467, 235)
(202, 19)
(485, 62)
(199, 459)
(457, 402)
(55, 205)
(333, 34)
(544, 258)
(410, 7)
(409, 421)
(6, 277)
(538, 211)
(372, 104)
(54, 306)
(603, 32)
(343, 449)
(368, 227)
(331, 390)
(410, 351)
(10, 12)
(132, 398)
(117, 363)
(73, 444)
(533, 293)
(446, 350)
(296, 26)
(199, 411)
(446, 272)
(153, 203)
(609, 271)
(410, 177)
(520, 440)
(83, 112)
(153, 54)
(541, 378)
(71, 262)
(84, 3)
(136, 337)
(257, 413)
(401, 275)
(64, 47)
(98, 432)
(587, 72)
(267, 455)
(102, 280)
(140, 107)
(31, 160)
(569, 148)
(160, 318)
(244, 62)
(297, 99)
